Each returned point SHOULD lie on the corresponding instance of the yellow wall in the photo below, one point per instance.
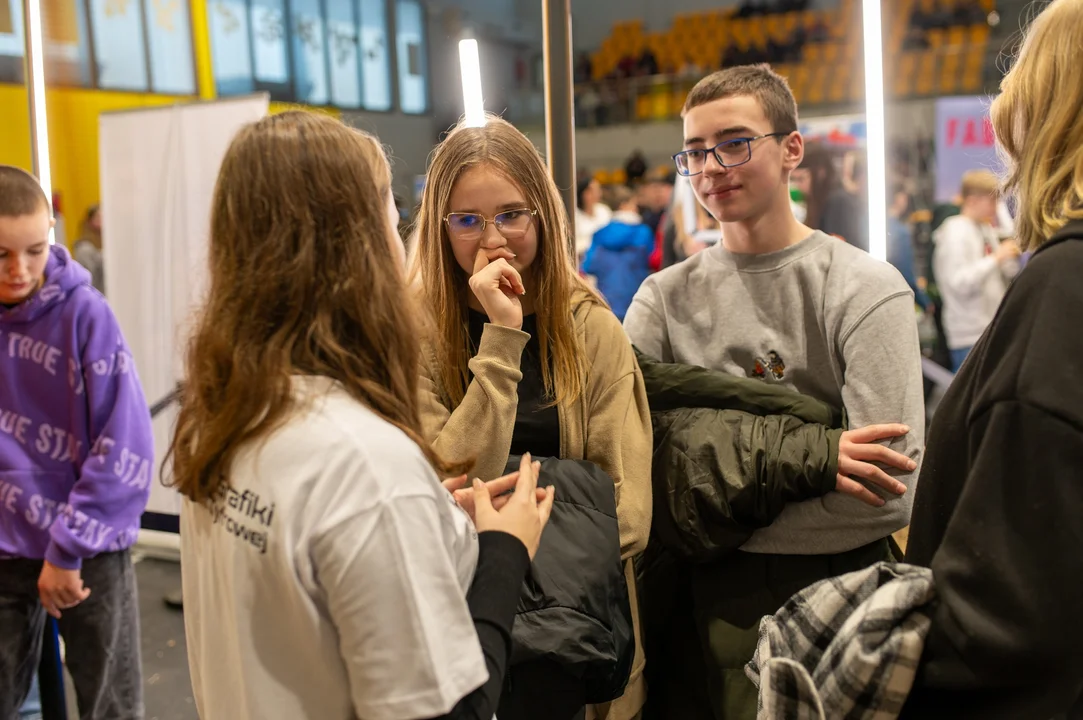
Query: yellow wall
(73, 139)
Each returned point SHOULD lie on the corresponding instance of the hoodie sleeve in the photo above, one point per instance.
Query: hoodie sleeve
(114, 479)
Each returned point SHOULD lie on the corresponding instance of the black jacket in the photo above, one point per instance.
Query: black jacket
(729, 454)
(997, 514)
(574, 610)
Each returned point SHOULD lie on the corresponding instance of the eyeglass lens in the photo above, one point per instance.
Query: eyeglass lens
(510, 224)
(734, 152)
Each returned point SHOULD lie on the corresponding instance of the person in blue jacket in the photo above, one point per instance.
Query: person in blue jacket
(900, 243)
(619, 256)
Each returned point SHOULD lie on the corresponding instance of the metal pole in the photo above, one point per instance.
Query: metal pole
(34, 74)
(559, 104)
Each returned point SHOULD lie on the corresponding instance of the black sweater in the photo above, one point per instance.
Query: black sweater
(999, 509)
(493, 597)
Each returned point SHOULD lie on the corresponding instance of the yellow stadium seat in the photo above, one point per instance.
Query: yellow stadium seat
(840, 83)
(926, 81)
(950, 67)
(936, 39)
(817, 88)
(904, 74)
(979, 34)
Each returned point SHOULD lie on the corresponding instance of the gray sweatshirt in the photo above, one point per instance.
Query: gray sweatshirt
(821, 317)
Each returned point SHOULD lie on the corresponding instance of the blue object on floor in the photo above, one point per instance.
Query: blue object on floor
(51, 675)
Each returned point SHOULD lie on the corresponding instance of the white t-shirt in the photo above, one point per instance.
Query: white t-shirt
(330, 583)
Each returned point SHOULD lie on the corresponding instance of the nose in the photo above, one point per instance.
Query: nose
(491, 239)
(711, 166)
(16, 267)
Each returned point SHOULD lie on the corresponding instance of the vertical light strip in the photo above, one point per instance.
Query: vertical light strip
(470, 65)
(876, 142)
(35, 90)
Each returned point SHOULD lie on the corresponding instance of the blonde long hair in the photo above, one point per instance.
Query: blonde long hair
(1038, 119)
(304, 280)
(442, 284)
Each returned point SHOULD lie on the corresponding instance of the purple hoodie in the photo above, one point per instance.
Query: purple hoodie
(76, 449)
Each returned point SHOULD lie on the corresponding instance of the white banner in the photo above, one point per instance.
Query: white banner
(158, 169)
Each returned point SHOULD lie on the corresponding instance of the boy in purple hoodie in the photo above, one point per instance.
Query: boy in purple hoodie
(76, 463)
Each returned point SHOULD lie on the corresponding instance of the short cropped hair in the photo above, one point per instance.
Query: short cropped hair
(761, 82)
(20, 193)
(620, 195)
(980, 182)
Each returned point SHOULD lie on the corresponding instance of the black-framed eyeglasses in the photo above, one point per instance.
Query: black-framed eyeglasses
(511, 224)
(728, 153)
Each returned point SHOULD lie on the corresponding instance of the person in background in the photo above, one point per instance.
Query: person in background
(525, 357)
(590, 212)
(996, 516)
(635, 168)
(972, 265)
(88, 248)
(328, 573)
(900, 242)
(619, 258)
(76, 465)
(846, 211)
(652, 197)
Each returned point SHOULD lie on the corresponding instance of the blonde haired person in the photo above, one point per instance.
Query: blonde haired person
(327, 573)
(525, 356)
(973, 266)
(997, 509)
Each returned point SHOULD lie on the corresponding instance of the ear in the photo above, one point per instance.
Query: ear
(52, 223)
(793, 151)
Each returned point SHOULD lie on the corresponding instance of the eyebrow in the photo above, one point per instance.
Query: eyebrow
(500, 208)
(739, 130)
(37, 246)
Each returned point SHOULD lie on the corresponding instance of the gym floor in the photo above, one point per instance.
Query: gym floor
(167, 687)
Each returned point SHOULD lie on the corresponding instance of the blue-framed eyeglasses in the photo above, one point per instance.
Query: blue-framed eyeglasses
(728, 153)
(511, 224)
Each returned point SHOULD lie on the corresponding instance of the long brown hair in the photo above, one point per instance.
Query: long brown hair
(304, 280)
(442, 284)
(1038, 120)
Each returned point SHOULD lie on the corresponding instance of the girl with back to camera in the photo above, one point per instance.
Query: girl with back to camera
(525, 357)
(996, 515)
(327, 573)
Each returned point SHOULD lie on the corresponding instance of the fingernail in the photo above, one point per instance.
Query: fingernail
(911, 465)
(900, 488)
(477, 483)
(906, 428)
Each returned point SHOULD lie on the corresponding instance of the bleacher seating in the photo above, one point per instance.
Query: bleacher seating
(919, 60)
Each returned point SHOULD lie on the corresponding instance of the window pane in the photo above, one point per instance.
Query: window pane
(375, 56)
(269, 35)
(345, 61)
(309, 52)
(118, 44)
(11, 41)
(67, 51)
(410, 53)
(231, 52)
(172, 65)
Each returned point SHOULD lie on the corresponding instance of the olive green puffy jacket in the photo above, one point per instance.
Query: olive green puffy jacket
(730, 453)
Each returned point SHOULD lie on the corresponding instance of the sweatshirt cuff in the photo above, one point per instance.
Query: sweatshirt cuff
(506, 558)
(503, 344)
(831, 470)
(55, 555)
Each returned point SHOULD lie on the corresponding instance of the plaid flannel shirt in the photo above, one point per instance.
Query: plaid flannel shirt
(847, 646)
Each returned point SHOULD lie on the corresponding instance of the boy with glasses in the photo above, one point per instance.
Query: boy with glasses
(778, 301)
